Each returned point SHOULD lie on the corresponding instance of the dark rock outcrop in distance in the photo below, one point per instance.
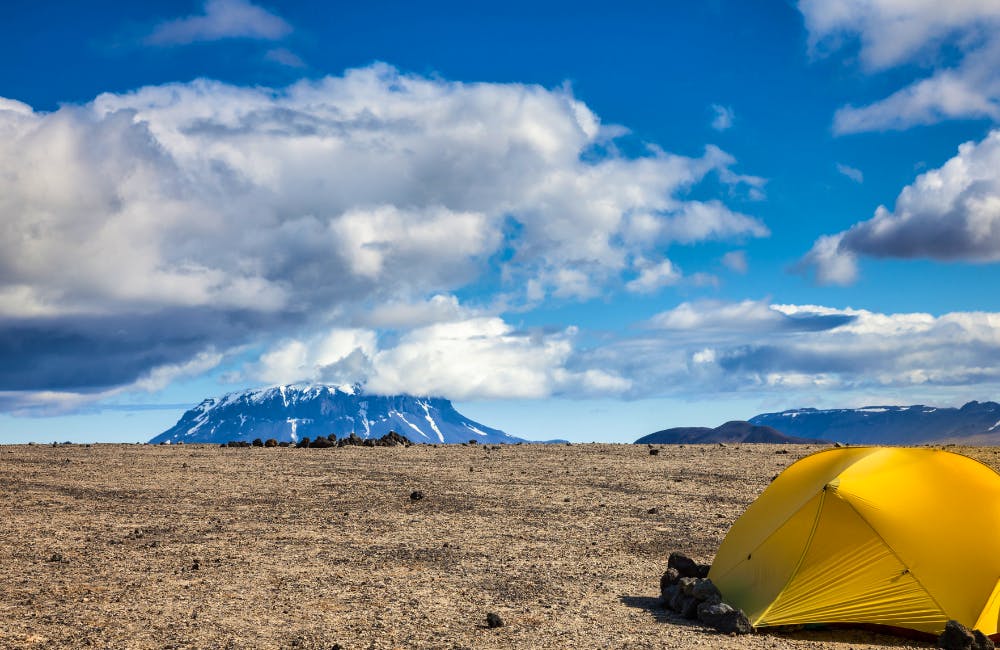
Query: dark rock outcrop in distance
(735, 431)
(976, 423)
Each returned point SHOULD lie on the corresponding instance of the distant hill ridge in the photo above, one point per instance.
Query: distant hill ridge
(735, 431)
(975, 423)
(290, 413)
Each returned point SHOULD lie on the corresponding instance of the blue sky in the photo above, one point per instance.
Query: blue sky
(583, 221)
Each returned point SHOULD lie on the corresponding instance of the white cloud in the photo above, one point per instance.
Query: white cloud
(653, 276)
(699, 221)
(161, 376)
(722, 117)
(474, 358)
(221, 19)
(295, 360)
(409, 314)
(950, 214)
(240, 214)
(736, 261)
(852, 173)
(285, 57)
(709, 348)
(891, 34)
(831, 263)
(713, 314)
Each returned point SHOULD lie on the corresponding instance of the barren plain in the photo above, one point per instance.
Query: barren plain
(137, 546)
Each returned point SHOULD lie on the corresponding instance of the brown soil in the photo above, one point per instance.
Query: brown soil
(128, 546)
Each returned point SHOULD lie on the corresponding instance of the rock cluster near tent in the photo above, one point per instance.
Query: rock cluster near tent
(958, 637)
(686, 589)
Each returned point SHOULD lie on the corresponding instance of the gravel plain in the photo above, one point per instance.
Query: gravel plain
(137, 546)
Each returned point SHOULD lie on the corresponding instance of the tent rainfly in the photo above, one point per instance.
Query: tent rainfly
(902, 537)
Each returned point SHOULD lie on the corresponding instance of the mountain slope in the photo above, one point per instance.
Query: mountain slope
(734, 432)
(976, 422)
(295, 412)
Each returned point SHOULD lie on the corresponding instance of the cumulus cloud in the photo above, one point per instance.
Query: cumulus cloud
(221, 19)
(145, 228)
(890, 34)
(653, 276)
(758, 348)
(472, 358)
(722, 117)
(949, 214)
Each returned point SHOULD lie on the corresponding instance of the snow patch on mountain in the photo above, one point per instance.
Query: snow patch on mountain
(294, 412)
(973, 423)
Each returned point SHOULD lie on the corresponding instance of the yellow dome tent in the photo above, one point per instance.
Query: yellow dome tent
(901, 537)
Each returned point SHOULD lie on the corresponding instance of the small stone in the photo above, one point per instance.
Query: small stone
(653, 511)
(416, 495)
(654, 452)
(493, 620)
(956, 637)
(724, 618)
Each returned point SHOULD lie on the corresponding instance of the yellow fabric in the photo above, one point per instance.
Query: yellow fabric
(893, 536)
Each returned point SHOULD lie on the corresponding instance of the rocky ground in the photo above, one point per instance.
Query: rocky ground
(127, 546)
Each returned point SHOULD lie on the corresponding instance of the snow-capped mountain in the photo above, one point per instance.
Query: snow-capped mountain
(295, 412)
(974, 423)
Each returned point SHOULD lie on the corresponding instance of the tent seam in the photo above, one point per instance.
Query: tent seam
(834, 478)
(894, 554)
(802, 557)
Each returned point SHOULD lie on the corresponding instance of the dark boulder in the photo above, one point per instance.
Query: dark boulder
(956, 637)
(677, 600)
(493, 620)
(689, 608)
(393, 439)
(687, 567)
(350, 441)
(724, 618)
(668, 579)
(982, 641)
(706, 591)
(667, 594)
